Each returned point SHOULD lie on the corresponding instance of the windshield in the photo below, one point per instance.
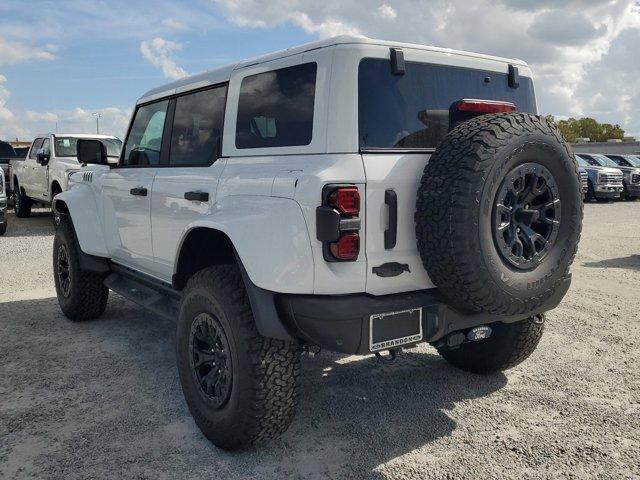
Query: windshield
(582, 162)
(633, 160)
(66, 146)
(411, 111)
(604, 161)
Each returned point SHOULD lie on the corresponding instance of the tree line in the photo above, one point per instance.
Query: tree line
(574, 128)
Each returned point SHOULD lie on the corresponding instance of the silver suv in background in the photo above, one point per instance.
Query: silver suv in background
(630, 167)
(605, 179)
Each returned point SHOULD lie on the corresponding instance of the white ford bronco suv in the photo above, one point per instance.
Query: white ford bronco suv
(351, 194)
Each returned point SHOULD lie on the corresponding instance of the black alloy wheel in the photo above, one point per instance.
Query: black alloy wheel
(63, 271)
(210, 359)
(526, 215)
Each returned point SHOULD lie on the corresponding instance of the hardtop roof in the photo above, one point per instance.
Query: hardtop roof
(223, 73)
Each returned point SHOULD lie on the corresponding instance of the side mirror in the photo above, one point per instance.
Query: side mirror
(91, 152)
(42, 157)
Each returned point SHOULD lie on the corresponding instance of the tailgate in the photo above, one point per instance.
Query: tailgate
(399, 173)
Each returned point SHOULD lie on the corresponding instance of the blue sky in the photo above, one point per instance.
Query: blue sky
(60, 61)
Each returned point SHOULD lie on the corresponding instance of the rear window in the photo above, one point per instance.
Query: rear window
(411, 111)
(276, 108)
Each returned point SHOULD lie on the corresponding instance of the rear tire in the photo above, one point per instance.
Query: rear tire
(21, 203)
(81, 293)
(509, 345)
(251, 394)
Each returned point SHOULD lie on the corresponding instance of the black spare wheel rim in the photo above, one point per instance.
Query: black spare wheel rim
(526, 215)
(210, 359)
(63, 271)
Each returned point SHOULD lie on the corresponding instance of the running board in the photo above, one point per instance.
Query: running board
(146, 297)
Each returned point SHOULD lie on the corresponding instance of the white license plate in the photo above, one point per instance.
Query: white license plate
(394, 329)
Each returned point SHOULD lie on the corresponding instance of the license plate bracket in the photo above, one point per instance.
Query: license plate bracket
(394, 329)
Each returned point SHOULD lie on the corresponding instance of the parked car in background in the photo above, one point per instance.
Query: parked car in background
(7, 154)
(3, 206)
(605, 181)
(51, 160)
(630, 166)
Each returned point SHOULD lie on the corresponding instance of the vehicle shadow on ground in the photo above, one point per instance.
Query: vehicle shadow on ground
(38, 224)
(110, 396)
(632, 262)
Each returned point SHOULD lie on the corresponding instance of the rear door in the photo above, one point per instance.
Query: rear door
(402, 118)
(27, 175)
(186, 190)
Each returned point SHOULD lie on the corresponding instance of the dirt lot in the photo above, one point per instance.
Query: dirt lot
(102, 399)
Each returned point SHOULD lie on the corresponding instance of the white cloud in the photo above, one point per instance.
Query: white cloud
(15, 51)
(158, 52)
(174, 24)
(564, 42)
(387, 11)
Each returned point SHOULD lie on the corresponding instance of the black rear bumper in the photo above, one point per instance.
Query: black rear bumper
(341, 322)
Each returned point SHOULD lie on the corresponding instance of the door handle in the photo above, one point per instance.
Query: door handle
(138, 191)
(390, 234)
(197, 196)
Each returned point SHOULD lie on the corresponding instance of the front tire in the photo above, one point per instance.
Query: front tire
(509, 345)
(240, 387)
(81, 293)
(21, 203)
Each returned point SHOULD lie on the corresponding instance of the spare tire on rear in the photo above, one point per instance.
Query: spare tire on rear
(499, 213)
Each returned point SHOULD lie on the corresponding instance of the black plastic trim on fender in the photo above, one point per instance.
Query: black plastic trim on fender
(263, 306)
(341, 322)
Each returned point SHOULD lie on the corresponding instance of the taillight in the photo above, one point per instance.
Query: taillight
(485, 106)
(338, 223)
(347, 247)
(346, 200)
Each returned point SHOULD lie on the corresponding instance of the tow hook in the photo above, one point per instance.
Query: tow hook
(390, 357)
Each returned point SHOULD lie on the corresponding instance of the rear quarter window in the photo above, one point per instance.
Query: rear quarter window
(411, 111)
(275, 108)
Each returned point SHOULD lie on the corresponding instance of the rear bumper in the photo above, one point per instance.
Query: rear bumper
(341, 322)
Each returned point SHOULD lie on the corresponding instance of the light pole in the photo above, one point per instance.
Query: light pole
(98, 116)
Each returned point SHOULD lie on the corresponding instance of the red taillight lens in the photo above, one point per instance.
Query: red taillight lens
(346, 200)
(347, 247)
(485, 106)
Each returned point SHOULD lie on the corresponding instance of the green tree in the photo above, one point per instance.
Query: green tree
(574, 128)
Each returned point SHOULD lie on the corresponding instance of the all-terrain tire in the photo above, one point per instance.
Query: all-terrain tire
(509, 345)
(21, 203)
(81, 293)
(262, 393)
(455, 213)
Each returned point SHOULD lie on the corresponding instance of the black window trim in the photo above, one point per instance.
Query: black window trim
(248, 150)
(391, 150)
(165, 145)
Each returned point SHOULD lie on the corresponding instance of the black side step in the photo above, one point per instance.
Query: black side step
(159, 303)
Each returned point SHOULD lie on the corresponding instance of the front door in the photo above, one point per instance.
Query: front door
(127, 190)
(40, 175)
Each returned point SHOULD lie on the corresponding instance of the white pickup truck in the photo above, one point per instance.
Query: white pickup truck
(45, 172)
(352, 194)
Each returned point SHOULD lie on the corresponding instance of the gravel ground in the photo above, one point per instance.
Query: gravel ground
(102, 399)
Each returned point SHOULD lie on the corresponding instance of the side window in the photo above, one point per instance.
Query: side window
(46, 146)
(145, 138)
(196, 136)
(275, 108)
(37, 144)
